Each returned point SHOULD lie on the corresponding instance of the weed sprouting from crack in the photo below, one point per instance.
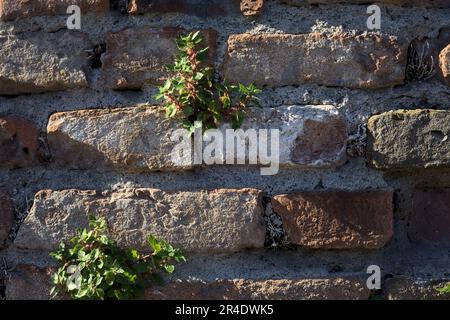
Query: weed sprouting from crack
(95, 55)
(275, 234)
(421, 62)
(356, 143)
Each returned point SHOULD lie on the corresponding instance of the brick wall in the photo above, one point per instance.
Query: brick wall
(365, 158)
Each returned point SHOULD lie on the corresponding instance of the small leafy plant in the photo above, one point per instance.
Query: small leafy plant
(445, 289)
(193, 94)
(95, 268)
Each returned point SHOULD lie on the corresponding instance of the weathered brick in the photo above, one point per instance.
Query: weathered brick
(404, 139)
(201, 8)
(39, 62)
(13, 9)
(284, 289)
(341, 60)
(337, 219)
(18, 143)
(138, 139)
(430, 218)
(310, 136)
(134, 138)
(252, 7)
(32, 283)
(444, 63)
(425, 3)
(136, 56)
(411, 289)
(6, 216)
(222, 220)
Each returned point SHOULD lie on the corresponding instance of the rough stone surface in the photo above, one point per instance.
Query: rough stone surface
(356, 106)
(252, 7)
(138, 56)
(35, 62)
(425, 3)
(221, 220)
(430, 218)
(135, 139)
(337, 219)
(32, 283)
(28, 282)
(410, 289)
(6, 216)
(337, 60)
(201, 8)
(404, 139)
(139, 139)
(310, 136)
(13, 9)
(18, 143)
(444, 63)
(301, 289)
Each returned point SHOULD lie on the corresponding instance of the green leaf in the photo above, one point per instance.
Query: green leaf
(100, 293)
(243, 89)
(445, 289)
(167, 85)
(202, 55)
(171, 110)
(53, 292)
(72, 286)
(194, 36)
(158, 96)
(169, 268)
(188, 111)
(199, 76)
(109, 278)
(152, 241)
(237, 120)
(226, 101)
(118, 294)
(92, 221)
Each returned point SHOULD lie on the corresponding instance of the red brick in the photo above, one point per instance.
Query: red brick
(322, 142)
(337, 219)
(430, 218)
(18, 143)
(202, 8)
(139, 55)
(6, 216)
(13, 9)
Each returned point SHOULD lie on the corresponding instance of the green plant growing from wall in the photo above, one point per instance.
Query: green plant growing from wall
(192, 94)
(445, 289)
(95, 268)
